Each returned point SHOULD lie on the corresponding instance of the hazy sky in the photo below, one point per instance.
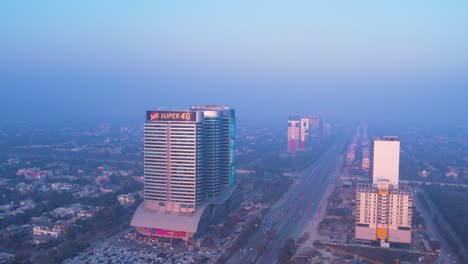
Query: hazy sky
(112, 60)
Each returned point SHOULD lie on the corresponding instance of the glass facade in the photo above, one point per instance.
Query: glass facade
(188, 162)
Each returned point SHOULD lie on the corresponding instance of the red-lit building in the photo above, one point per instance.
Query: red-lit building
(304, 131)
(293, 133)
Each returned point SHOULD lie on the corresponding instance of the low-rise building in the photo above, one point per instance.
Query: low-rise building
(103, 179)
(34, 173)
(84, 213)
(69, 210)
(109, 188)
(424, 174)
(126, 199)
(451, 174)
(62, 212)
(61, 186)
(42, 239)
(24, 188)
(89, 212)
(50, 231)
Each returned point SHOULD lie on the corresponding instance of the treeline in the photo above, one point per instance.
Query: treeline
(113, 218)
(105, 223)
(44, 202)
(287, 251)
(451, 204)
(270, 163)
(48, 201)
(67, 249)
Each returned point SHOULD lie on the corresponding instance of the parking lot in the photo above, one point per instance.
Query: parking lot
(125, 249)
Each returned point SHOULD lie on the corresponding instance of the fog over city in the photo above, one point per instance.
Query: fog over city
(90, 61)
(233, 132)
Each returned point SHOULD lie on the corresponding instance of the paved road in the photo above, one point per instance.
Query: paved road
(289, 216)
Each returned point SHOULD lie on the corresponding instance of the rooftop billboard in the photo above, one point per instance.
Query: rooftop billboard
(180, 116)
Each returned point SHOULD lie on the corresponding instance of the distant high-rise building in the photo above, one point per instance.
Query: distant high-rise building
(304, 132)
(385, 159)
(384, 213)
(365, 151)
(189, 163)
(293, 132)
(365, 158)
(326, 130)
(383, 208)
(351, 155)
(316, 128)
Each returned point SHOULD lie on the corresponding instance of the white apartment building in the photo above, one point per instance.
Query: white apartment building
(385, 159)
(384, 213)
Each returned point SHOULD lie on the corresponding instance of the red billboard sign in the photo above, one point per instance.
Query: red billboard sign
(171, 116)
(162, 232)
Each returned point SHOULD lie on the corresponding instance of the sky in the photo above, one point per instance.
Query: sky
(109, 61)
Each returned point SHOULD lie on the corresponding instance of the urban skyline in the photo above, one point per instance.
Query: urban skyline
(398, 61)
(317, 132)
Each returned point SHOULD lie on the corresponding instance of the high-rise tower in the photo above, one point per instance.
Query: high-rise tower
(383, 208)
(304, 133)
(385, 159)
(173, 160)
(219, 134)
(189, 164)
(293, 132)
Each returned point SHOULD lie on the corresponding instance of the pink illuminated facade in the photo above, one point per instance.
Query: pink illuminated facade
(294, 124)
(304, 131)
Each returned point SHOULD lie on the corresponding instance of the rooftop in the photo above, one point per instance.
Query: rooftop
(209, 107)
(161, 219)
(386, 138)
(187, 222)
(294, 117)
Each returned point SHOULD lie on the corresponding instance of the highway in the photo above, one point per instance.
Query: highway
(289, 216)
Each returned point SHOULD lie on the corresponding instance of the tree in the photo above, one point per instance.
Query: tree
(69, 249)
(283, 256)
(70, 234)
(23, 253)
(208, 242)
(271, 234)
(287, 251)
(260, 248)
(229, 224)
(114, 179)
(44, 259)
(290, 245)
